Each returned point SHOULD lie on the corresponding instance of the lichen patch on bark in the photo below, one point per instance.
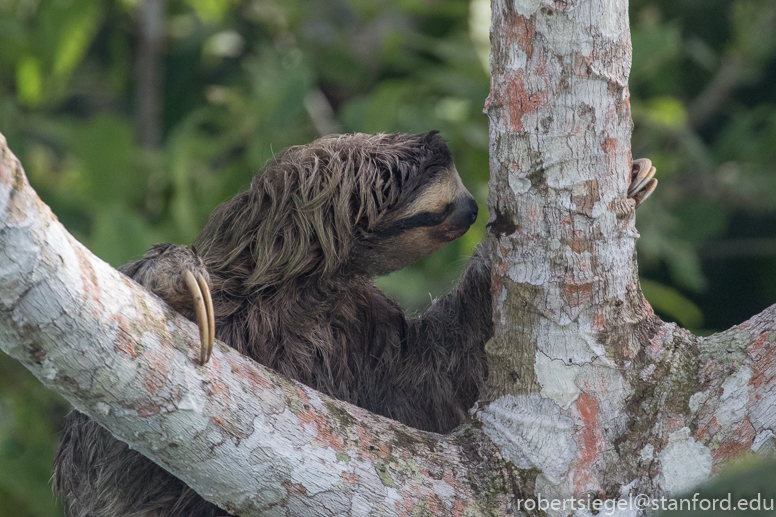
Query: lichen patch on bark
(684, 463)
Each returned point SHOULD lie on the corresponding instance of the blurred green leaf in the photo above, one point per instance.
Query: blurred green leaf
(211, 10)
(106, 148)
(656, 51)
(702, 220)
(76, 34)
(29, 81)
(119, 234)
(685, 266)
(29, 420)
(672, 303)
(667, 111)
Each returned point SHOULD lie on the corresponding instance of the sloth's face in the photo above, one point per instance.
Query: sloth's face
(441, 211)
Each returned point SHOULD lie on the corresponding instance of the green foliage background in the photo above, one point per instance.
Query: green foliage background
(245, 78)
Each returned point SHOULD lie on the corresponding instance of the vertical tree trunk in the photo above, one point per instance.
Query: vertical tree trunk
(587, 387)
(560, 161)
(569, 314)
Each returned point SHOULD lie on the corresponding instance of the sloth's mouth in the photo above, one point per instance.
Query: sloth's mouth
(460, 217)
(448, 233)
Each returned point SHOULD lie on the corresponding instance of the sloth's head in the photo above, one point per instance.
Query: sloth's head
(420, 204)
(359, 204)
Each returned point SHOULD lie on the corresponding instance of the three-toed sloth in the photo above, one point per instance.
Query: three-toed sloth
(290, 264)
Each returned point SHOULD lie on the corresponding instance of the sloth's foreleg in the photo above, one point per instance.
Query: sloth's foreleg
(180, 278)
(643, 182)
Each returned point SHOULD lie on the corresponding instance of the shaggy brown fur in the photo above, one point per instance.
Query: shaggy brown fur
(291, 263)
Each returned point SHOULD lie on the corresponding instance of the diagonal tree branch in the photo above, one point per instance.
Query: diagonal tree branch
(242, 436)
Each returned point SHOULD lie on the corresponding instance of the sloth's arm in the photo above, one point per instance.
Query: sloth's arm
(176, 275)
(445, 353)
(462, 320)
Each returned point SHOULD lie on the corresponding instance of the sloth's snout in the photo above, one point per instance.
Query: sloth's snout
(465, 213)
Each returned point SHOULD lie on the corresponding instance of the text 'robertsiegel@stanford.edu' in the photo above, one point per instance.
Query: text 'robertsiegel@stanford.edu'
(644, 502)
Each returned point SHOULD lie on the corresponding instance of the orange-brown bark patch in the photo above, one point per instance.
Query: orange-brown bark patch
(518, 101)
(302, 394)
(609, 145)
(582, 65)
(218, 389)
(370, 444)
(586, 202)
(577, 295)
(155, 375)
(590, 444)
(295, 489)
(435, 505)
(599, 321)
(404, 508)
(521, 30)
(674, 424)
(738, 441)
(758, 346)
(764, 368)
(241, 368)
(460, 508)
(88, 276)
(350, 478)
(324, 435)
(757, 381)
(124, 342)
(145, 412)
(656, 342)
(577, 241)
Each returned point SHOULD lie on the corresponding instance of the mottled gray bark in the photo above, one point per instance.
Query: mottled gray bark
(587, 386)
(589, 394)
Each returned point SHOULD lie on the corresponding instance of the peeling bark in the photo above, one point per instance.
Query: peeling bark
(590, 395)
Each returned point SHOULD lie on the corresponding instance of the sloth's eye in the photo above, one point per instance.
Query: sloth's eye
(427, 218)
(423, 219)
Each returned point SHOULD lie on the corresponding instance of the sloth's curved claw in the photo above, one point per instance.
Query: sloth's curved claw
(646, 192)
(211, 319)
(203, 307)
(643, 182)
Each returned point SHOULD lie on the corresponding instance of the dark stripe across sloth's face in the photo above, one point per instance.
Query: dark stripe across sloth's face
(418, 221)
(442, 211)
(459, 215)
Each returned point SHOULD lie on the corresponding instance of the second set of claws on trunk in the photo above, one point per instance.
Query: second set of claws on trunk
(643, 182)
(203, 307)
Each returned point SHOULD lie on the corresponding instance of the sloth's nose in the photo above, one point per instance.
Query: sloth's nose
(465, 213)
